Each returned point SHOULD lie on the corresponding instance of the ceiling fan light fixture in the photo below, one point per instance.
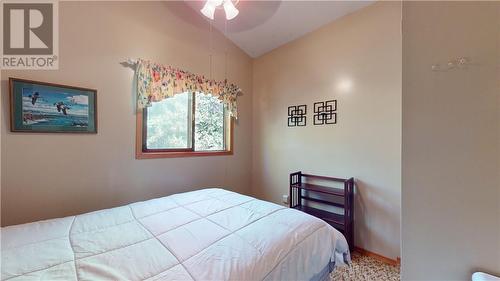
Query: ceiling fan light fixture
(230, 9)
(208, 9)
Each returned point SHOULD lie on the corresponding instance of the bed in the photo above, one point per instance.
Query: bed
(209, 234)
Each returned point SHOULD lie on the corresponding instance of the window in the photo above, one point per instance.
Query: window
(187, 124)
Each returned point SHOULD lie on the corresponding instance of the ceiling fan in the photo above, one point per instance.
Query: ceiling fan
(209, 9)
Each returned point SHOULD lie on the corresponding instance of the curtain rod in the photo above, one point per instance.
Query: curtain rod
(131, 61)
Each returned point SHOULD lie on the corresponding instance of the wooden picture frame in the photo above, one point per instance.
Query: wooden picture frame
(41, 107)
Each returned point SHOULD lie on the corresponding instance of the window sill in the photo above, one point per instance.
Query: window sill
(154, 155)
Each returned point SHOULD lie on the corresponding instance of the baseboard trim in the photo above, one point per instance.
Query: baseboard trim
(377, 256)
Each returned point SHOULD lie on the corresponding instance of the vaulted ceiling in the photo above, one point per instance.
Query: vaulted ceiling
(262, 26)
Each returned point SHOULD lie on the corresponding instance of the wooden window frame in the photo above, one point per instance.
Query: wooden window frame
(140, 153)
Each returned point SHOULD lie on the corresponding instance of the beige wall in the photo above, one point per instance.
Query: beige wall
(52, 175)
(451, 141)
(356, 60)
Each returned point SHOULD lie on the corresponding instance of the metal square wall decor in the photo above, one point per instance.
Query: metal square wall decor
(297, 115)
(325, 112)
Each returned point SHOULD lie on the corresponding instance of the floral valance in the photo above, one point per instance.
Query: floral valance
(157, 82)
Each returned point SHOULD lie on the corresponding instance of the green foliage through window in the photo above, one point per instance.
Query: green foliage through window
(209, 123)
(169, 124)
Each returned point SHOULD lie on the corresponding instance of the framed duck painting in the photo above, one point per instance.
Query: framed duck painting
(51, 108)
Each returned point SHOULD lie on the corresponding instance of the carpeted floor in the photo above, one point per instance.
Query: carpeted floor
(365, 268)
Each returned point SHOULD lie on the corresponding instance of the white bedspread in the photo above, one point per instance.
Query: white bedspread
(210, 234)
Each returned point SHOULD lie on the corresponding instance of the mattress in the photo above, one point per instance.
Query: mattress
(209, 234)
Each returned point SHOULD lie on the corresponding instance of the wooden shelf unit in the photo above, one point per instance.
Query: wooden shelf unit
(342, 222)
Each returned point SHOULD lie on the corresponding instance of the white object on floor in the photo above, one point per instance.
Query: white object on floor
(209, 234)
(481, 276)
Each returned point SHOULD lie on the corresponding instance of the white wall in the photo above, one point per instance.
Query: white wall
(356, 60)
(451, 141)
(52, 175)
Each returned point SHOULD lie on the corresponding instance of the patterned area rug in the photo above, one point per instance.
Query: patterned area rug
(366, 268)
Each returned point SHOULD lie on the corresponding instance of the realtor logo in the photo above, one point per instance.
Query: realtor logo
(29, 33)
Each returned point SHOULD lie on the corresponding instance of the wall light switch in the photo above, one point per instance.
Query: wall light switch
(285, 199)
